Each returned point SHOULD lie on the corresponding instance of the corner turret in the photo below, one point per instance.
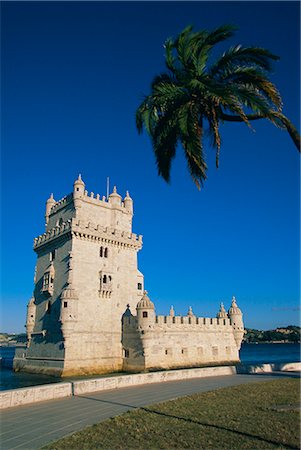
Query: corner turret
(128, 203)
(236, 321)
(69, 305)
(145, 312)
(49, 204)
(78, 190)
(30, 320)
(115, 198)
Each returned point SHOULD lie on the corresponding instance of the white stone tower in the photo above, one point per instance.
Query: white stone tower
(86, 274)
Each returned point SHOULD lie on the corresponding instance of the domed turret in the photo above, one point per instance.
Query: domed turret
(115, 198)
(235, 316)
(69, 304)
(69, 307)
(234, 309)
(78, 190)
(172, 311)
(30, 320)
(128, 203)
(222, 314)
(145, 312)
(49, 204)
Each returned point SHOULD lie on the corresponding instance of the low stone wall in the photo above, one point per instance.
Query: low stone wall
(23, 396)
(17, 397)
(265, 368)
(103, 384)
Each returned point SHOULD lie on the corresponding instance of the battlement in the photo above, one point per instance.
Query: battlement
(87, 229)
(183, 322)
(205, 322)
(61, 203)
(88, 198)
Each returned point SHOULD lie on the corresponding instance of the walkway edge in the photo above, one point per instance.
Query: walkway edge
(24, 396)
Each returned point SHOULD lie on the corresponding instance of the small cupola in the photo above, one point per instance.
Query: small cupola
(222, 314)
(190, 312)
(145, 312)
(49, 204)
(145, 302)
(128, 203)
(234, 309)
(115, 198)
(78, 187)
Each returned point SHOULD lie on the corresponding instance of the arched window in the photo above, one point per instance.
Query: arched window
(144, 314)
(104, 279)
(106, 252)
(101, 252)
(139, 286)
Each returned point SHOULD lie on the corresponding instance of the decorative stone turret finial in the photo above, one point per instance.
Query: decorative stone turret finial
(127, 312)
(115, 198)
(190, 312)
(222, 314)
(78, 191)
(234, 309)
(172, 311)
(49, 204)
(128, 203)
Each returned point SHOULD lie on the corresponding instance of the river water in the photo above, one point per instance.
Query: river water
(249, 354)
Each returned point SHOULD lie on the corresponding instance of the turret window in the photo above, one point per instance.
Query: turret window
(126, 353)
(139, 286)
(65, 304)
(144, 314)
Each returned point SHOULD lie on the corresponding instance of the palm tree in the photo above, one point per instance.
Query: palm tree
(192, 98)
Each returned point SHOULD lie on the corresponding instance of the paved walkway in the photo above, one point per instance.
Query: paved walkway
(33, 426)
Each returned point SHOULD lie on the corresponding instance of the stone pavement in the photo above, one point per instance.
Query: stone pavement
(33, 426)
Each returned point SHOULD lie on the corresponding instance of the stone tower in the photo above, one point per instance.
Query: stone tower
(86, 274)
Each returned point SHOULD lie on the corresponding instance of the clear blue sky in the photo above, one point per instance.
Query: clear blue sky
(73, 75)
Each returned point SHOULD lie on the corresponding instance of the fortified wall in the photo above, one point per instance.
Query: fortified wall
(86, 276)
(180, 341)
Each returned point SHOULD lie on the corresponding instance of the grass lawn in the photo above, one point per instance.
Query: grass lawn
(254, 416)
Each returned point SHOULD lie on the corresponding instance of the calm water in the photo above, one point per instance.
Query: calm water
(249, 354)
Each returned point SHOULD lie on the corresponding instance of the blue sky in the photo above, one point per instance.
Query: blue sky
(73, 75)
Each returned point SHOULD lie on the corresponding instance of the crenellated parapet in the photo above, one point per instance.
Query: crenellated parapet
(186, 321)
(183, 322)
(61, 204)
(84, 229)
